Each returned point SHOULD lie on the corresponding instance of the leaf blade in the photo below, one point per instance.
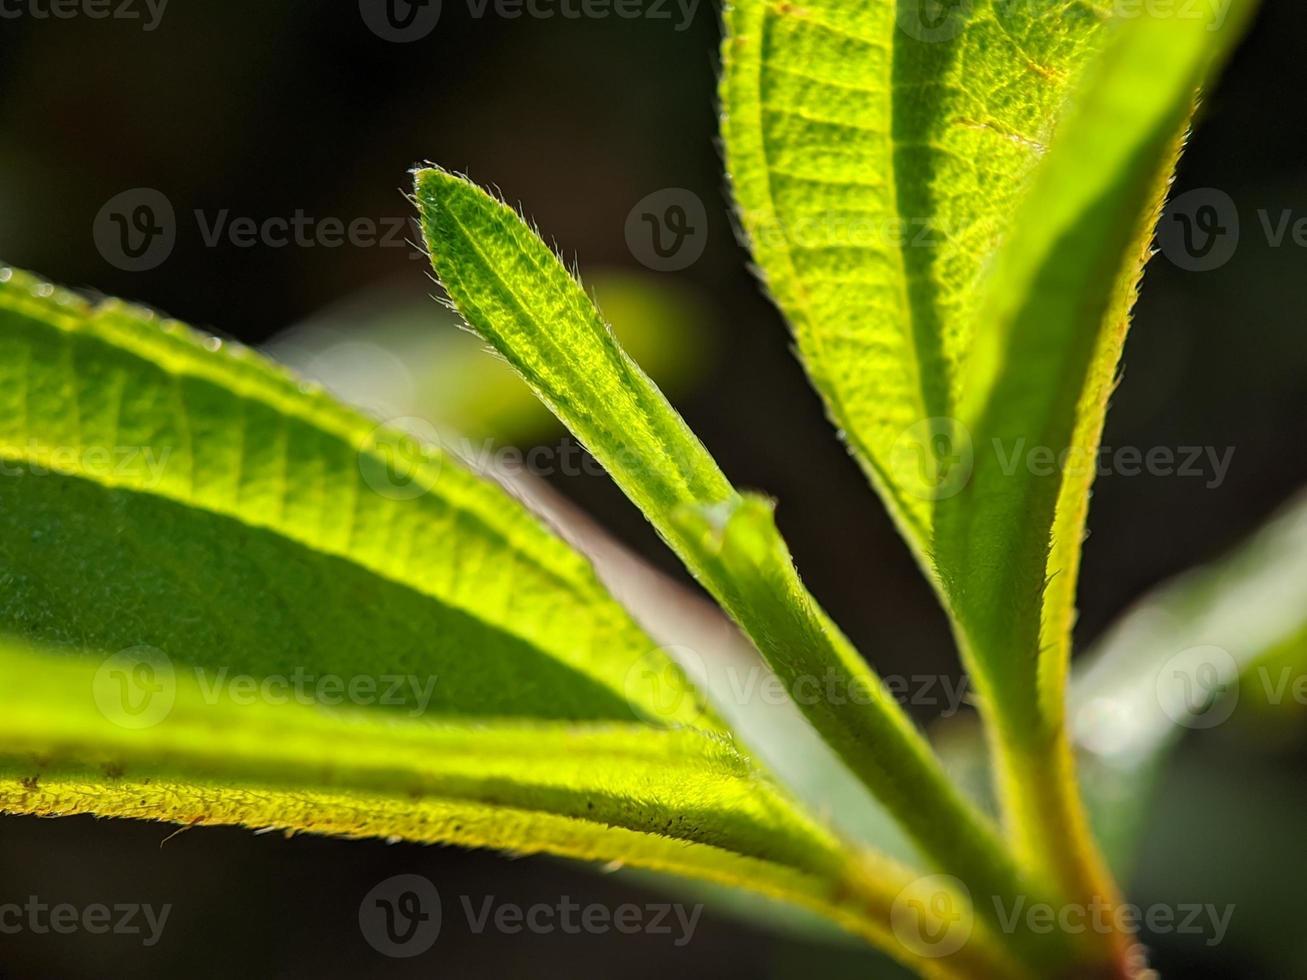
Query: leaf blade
(242, 454)
(679, 801)
(876, 156)
(1056, 308)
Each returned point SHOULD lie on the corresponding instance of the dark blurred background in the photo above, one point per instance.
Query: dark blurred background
(265, 109)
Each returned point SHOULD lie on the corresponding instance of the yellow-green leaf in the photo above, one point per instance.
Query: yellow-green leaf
(161, 491)
(876, 152)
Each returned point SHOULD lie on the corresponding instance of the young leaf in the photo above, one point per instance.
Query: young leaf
(1055, 311)
(876, 152)
(517, 295)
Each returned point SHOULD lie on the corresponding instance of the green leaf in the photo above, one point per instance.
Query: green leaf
(1055, 310)
(160, 491)
(516, 294)
(198, 504)
(877, 152)
(883, 161)
(1173, 664)
(81, 735)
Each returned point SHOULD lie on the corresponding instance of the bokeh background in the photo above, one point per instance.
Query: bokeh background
(265, 109)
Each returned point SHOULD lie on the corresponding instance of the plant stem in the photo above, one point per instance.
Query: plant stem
(739, 556)
(1049, 829)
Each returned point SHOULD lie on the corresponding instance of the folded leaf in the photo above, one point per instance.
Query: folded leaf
(1055, 310)
(995, 329)
(656, 797)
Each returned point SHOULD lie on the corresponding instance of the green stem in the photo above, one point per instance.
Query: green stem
(1049, 829)
(739, 556)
